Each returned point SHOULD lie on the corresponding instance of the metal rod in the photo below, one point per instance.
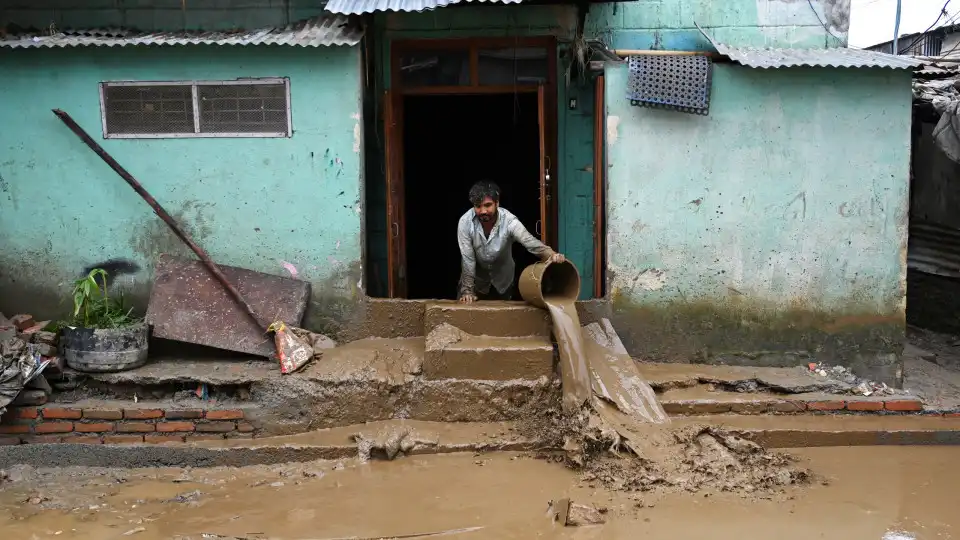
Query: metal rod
(645, 52)
(207, 261)
(896, 31)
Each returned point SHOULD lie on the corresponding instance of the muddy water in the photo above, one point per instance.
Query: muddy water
(867, 493)
(574, 367)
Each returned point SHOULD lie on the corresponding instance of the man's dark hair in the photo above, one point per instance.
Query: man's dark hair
(483, 189)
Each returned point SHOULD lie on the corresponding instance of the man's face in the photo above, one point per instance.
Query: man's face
(486, 210)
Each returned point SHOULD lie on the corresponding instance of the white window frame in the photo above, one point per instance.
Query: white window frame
(196, 108)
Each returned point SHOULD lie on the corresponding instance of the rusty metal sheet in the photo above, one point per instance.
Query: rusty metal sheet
(188, 304)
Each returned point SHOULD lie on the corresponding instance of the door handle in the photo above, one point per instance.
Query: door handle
(395, 229)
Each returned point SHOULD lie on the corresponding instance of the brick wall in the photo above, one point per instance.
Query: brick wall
(55, 424)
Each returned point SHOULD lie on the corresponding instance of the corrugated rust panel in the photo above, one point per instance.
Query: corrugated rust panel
(836, 57)
(358, 7)
(188, 304)
(934, 249)
(325, 30)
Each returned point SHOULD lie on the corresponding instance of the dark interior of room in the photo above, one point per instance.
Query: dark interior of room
(450, 142)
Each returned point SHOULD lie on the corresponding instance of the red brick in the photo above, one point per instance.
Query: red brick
(688, 406)
(245, 427)
(142, 414)
(204, 437)
(230, 414)
(122, 439)
(9, 441)
(42, 439)
(216, 427)
(103, 414)
(160, 439)
(53, 427)
(54, 413)
(826, 405)
(183, 414)
(86, 439)
(167, 427)
(952, 414)
(135, 427)
(93, 428)
(903, 405)
(22, 321)
(22, 413)
(864, 405)
(14, 428)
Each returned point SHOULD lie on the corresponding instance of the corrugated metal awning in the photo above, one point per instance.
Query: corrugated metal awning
(325, 30)
(934, 249)
(787, 58)
(357, 7)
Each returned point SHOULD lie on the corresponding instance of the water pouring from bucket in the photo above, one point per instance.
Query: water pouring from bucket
(593, 363)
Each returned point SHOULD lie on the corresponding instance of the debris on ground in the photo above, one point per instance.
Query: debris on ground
(570, 514)
(390, 443)
(19, 364)
(853, 384)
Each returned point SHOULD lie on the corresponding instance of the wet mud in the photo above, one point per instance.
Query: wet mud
(869, 493)
(615, 431)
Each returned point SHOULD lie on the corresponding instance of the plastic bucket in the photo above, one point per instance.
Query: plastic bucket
(540, 281)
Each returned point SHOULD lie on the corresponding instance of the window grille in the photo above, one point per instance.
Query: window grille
(241, 108)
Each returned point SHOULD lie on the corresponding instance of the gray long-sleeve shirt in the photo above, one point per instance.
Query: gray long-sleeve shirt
(488, 260)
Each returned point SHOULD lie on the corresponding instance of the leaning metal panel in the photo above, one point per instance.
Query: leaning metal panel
(675, 82)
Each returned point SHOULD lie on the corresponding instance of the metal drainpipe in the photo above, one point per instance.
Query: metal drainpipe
(896, 31)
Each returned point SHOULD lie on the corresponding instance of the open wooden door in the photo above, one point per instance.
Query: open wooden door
(543, 224)
(396, 225)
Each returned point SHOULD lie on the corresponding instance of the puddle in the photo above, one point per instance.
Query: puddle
(890, 493)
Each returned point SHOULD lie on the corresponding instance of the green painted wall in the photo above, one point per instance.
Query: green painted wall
(776, 223)
(255, 203)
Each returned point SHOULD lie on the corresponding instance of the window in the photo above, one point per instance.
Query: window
(240, 108)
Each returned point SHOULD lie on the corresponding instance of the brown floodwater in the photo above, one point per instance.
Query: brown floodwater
(869, 492)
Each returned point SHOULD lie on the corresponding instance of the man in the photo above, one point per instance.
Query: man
(486, 234)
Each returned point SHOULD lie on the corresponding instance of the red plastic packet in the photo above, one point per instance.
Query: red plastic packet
(292, 353)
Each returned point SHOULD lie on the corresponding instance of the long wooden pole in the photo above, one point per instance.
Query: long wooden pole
(181, 234)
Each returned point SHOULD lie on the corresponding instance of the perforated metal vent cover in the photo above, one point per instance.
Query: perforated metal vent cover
(674, 82)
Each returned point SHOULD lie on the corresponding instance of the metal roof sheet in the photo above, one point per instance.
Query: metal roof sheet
(324, 30)
(357, 7)
(837, 57)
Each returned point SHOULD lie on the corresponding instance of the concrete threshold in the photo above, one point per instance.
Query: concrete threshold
(773, 431)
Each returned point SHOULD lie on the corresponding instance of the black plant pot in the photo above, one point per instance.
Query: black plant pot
(102, 350)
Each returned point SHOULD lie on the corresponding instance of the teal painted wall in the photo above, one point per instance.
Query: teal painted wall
(251, 202)
(672, 24)
(777, 222)
(157, 15)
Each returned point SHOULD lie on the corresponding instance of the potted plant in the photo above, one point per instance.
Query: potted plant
(103, 335)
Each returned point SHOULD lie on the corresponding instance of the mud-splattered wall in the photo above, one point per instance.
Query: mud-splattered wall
(770, 231)
(284, 206)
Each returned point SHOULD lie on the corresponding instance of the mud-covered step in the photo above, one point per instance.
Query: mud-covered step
(508, 319)
(454, 354)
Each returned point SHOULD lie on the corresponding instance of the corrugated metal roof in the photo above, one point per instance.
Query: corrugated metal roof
(357, 7)
(837, 57)
(324, 30)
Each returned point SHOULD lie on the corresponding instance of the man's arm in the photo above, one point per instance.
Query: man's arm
(468, 262)
(538, 248)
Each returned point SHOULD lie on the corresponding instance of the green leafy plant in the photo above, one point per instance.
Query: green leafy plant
(94, 308)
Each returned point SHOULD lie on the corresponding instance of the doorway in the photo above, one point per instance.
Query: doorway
(459, 111)
(455, 141)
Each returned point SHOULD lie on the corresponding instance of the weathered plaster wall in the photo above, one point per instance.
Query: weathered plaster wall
(257, 203)
(672, 24)
(157, 15)
(773, 228)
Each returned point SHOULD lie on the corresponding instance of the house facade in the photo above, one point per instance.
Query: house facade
(768, 229)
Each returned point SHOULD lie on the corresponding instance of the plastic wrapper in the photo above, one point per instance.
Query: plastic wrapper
(292, 352)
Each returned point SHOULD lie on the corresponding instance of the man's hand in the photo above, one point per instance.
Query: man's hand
(556, 258)
(468, 298)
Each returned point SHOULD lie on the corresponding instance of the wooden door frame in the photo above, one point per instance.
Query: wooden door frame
(599, 188)
(396, 261)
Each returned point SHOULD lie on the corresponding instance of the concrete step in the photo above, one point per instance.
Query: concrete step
(507, 319)
(452, 354)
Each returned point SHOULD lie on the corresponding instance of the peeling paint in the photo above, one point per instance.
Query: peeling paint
(290, 268)
(357, 138)
(613, 131)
